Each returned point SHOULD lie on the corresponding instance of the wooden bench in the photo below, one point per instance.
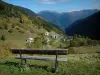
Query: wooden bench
(41, 51)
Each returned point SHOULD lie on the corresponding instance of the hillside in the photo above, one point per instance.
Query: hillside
(87, 27)
(64, 19)
(18, 23)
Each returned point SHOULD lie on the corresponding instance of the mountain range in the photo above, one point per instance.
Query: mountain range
(89, 27)
(65, 19)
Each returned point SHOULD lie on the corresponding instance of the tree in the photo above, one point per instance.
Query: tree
(44, 40)
(10, 31)
(37, 42)
(3, 38)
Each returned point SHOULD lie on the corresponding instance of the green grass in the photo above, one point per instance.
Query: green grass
(19, 39)
(16, 38)
(84, 49)
(77, 64)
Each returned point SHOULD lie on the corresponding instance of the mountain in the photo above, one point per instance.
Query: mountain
(18, 23)
(64, 19)
(89, 27)
(51, 16)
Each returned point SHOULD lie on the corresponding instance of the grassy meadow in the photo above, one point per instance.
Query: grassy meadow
(82, 60)
(77, 64)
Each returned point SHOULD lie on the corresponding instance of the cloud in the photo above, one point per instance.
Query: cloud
(47, 2)
(52, 1)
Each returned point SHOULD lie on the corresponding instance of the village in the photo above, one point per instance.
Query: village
(49, 37)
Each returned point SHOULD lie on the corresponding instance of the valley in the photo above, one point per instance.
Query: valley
(26, 25)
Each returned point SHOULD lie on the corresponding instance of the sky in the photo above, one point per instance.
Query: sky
(56, 5)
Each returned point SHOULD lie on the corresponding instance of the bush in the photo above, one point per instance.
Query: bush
(37, 42)
(10, 31)
(30, 45)
(12, 26)
(79, 41)
(3, 38)
(5, 49)
(6, 26)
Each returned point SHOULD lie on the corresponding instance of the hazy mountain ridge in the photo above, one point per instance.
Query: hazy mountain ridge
(87, 27)
(64, 19)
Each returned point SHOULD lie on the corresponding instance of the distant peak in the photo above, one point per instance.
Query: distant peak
(51, 11)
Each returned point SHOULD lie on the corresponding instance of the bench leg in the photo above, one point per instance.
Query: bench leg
(21, 61)
(56, 65)
(25, 61)
(21, 58)
(56, 62)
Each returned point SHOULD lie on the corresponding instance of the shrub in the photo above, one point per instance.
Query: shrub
(78, 41)
(30, 45)
(3, 38)
(37, 42)
(12, 26)
(5, 49)
(10, 31)
(6, 26)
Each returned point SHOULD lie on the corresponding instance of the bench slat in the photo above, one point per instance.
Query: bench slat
(39, 51)
(40, 58)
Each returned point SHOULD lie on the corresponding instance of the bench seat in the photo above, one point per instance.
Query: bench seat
(41, 58)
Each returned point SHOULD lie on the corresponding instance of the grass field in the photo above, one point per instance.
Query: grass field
(77, 64)
(81, 61)
(84, 49)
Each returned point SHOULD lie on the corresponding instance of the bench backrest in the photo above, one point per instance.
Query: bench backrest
(41, 51)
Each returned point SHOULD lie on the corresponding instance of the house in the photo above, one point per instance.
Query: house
(55, 36)
(29, 40)
(68, 38)
(47, 33)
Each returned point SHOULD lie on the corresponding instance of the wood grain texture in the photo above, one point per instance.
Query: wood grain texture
(41, 51)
